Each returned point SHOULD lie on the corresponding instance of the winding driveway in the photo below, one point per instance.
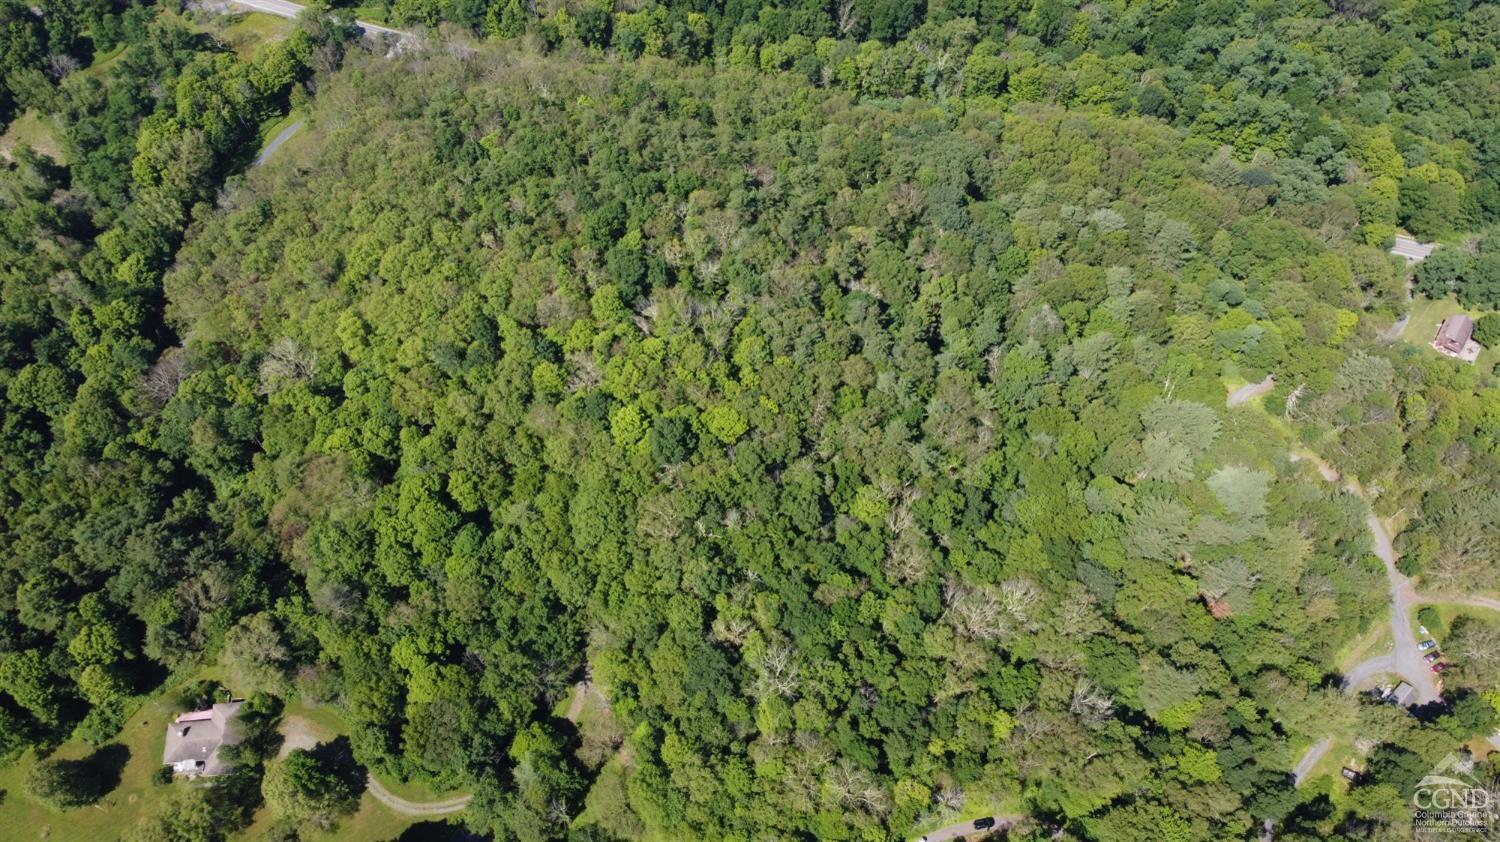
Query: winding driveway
(417, 809)
(1404, 659)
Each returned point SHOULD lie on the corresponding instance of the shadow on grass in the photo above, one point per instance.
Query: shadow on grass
(437, 831)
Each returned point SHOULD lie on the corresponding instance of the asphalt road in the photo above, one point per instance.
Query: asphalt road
(1311, 758)
(966, 829)
(282, 8)
(1407, 658)
(281, 137)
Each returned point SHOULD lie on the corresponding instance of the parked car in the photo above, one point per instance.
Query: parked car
(1426, 644)
(1439, 667)
(985, 823)
(1431, 657)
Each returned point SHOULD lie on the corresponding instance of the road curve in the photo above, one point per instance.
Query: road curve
(415, 808)
(1407, 658)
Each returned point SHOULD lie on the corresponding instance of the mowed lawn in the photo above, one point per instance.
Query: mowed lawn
(23, 819)
(244, 32)
(373, 821)
(1427, 315)
(34, 130)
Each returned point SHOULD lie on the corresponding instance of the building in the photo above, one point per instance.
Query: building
(194, 740)
(1403, 695)
(1456, 338)
(1413, 252)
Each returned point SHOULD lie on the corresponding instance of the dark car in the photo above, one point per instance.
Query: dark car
(1431, 657)
(985, 823)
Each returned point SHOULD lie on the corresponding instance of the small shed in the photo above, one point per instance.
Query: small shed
(194, 739)
(1404, 694)
(1453, 337)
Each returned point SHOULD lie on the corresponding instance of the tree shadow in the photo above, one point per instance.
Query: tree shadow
(91, 778)
(438, 831)
(337, 756)
(106, 767)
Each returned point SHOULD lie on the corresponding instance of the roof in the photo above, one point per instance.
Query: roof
(1403, 693)
(194, 739)
(1457, 328)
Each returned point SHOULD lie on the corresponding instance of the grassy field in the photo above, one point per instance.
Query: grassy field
(372, 11)
(142, 737)
(244, 32)
(1427, 314)
(373, 822)
(34, 130)
(140, 745)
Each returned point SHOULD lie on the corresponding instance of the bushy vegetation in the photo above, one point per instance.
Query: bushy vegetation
(1394, 97)
(867, 446)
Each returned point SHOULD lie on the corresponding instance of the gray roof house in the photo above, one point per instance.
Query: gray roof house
(194, 739)
(1404, 694)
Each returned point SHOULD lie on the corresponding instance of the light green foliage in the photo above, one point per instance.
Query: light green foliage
(724, 423)
(866, 446)
(1241, 491)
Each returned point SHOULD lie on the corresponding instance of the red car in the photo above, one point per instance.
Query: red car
(1439, 667)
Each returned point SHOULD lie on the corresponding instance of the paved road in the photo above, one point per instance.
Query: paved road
(1245, 393)
(1311, 758)
(1366, 670)
(966, 829)
(1413, 251)
(415, 808)
(281, 137)
(1407, 657)
(282, 8)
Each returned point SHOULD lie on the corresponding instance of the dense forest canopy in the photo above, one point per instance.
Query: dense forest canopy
(851, 413)
(1404, 90)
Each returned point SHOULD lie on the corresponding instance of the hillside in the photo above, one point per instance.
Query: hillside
(668, 449)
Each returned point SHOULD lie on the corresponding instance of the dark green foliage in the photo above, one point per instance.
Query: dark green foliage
(69, 784)
(862, 450)
(1487, 330)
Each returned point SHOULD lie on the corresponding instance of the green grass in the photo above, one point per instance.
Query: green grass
(244, 32)
(143, 735)
(23, 819)
(1450, 611)
(373, 12)
(373, 821)
(102, 63)
(34, 130)
(1427, 315)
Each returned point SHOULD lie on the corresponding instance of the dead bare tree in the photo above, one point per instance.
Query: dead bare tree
(286, 364)
(161, 381)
